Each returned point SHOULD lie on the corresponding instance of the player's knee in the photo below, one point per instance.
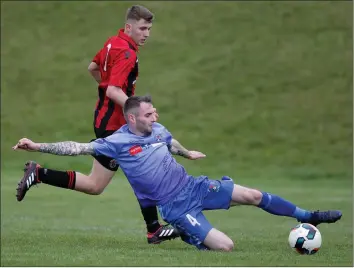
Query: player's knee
(227, 245)
(257, 197)
(253, 197)
(95, 188)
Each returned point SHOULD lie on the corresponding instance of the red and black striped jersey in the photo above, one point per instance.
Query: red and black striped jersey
(118, 63)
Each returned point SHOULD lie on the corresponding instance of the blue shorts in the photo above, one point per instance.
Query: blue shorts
(184, 211)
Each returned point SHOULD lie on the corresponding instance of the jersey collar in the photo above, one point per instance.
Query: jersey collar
(127, 38)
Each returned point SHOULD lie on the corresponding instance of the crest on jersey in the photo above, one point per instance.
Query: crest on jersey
(213, 188)
(127, 54)
(158, 137)
(113, 163)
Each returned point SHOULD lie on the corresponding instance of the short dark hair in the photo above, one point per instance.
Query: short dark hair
(134, 102)
(137, 13)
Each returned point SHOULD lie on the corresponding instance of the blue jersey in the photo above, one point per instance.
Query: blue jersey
(152, 171)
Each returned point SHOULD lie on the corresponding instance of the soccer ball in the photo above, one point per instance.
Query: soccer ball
(305, 239)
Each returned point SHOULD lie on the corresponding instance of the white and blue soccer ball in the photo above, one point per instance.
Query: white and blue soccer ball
(305, 239)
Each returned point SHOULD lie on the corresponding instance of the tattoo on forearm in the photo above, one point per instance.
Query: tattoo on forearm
(67, 148)
(178, 149)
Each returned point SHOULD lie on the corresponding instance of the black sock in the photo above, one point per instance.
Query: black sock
(63, 179)
(151, 219)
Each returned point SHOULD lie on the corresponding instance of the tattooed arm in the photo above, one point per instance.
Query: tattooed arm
(177, 149)
(59, 148)
(66, 148)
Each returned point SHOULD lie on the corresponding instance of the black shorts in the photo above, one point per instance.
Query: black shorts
(107, 162)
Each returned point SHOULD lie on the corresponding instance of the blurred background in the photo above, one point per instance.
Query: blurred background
(264, 89)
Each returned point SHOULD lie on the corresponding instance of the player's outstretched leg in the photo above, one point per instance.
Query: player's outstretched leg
(278, 206)
(93, 184)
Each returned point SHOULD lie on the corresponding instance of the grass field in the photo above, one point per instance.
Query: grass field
(263, 88)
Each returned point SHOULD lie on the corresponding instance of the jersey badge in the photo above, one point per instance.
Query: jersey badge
(158, 137)
(113, 163)
(213, 188)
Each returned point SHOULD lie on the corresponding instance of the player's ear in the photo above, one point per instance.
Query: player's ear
(131, 118)
(128, 27)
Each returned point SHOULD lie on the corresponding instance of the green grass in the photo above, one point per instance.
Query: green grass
(263, 88)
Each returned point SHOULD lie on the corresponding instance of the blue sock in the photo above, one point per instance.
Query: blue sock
(278, 206)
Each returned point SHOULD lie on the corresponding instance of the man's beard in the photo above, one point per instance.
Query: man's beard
(145, 131)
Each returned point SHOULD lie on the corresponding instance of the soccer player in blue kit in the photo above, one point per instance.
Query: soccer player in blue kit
(144, 148)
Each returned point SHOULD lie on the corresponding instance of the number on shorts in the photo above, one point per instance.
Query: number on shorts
(105, 61)
(192, 220)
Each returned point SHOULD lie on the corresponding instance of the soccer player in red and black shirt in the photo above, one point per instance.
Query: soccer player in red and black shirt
(115, 68)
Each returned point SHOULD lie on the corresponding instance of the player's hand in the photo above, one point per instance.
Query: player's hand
(27, 145)
(194, 155)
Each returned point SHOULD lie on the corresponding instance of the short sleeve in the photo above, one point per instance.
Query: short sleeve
(106, 146)
(96, 59)
(168, 136)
